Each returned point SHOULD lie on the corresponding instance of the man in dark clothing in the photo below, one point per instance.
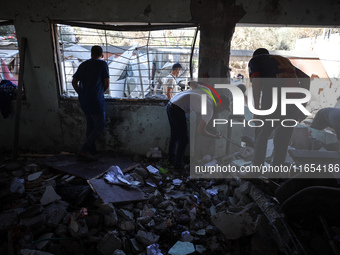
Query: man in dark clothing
(90, 81)
(283, 74)
(327, 117)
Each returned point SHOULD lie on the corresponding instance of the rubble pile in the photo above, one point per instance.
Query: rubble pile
(45, 211)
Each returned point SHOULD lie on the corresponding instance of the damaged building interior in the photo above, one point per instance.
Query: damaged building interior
(127, 199)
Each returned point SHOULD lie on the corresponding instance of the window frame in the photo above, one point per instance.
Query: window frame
(114, 27)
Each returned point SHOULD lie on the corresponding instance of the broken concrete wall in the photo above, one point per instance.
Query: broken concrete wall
(41, 127)
(131, 128)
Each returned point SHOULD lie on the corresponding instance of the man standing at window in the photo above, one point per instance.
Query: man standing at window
(90, 81)
(170, 83)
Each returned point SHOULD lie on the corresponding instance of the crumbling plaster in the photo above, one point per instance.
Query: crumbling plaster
(43, 120)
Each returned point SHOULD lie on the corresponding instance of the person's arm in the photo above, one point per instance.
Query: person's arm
(75, 85)
(169, 92)
(203, 131)
(106, 83)
(155, 89)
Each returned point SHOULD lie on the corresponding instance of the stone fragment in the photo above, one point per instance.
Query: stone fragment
(78, 228)
(153, 249)
(17, 186)
(164, 204)
(147, 212)
(146, 238)
(119, 252)
(127, 225)
(161, 226)
(144, 220)
(49, 196)
(186, 237)
(126, 214)
(136, 247)
(200, 248)
(200, 232)
(109, 243)
(33, 177)
(235, 225)
(110, 217)
(55, 213)
(182, 248)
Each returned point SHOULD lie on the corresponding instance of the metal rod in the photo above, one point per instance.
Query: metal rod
(140, 73)
(192, 53)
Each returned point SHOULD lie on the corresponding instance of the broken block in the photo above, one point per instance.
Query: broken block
(49, 196)
(235, 225)
(182, 248)
(147, 238)
(109, 244)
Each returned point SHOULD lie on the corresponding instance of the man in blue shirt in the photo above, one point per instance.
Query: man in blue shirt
(266, 72)
(90, 81)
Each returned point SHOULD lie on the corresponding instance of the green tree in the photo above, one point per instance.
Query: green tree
(7, 30)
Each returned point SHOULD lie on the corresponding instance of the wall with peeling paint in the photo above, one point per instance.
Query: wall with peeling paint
(48, 124)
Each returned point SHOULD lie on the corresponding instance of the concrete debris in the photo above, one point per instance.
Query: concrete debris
(153, 249)
(49, 196)
(126, 214)
(177, 215)
(146, 238)
(235, 225)
(109, 243)
(182, 248)
(18, 186)
(177, 182)
(33, 177)
(200, 249)
(156, 153)
(152, 170)
(119, 252)
(186, 237)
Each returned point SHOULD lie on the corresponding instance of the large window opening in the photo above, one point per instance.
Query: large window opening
(313, 50)
(9, 57)
(139, 60)
(299, 44)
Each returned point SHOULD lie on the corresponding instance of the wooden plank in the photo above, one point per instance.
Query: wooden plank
(111, 193)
